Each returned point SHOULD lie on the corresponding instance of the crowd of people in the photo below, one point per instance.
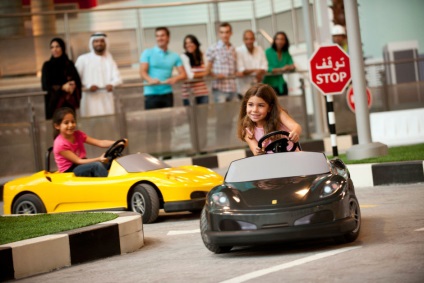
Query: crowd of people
(88, 85)
(246, 72)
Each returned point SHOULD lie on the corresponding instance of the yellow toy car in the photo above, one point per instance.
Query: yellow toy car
(136, 182)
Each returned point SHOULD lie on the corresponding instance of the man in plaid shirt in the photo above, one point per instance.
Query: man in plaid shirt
(222, 63)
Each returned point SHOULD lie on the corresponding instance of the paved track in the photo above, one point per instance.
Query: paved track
(389, 249)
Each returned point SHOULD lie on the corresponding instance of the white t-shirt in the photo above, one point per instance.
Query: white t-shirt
(248, 61)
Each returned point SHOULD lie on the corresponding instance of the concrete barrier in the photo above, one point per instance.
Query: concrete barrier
(43, 254)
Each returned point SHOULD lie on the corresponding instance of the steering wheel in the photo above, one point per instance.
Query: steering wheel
(115, 150)
(280, 145)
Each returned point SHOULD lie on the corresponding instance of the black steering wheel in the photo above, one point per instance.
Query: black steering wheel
(280, 145)
(115, 150)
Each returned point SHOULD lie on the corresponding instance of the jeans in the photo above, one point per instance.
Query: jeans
(199, 100)
(93, 169)
(221, 96)
(158, 101)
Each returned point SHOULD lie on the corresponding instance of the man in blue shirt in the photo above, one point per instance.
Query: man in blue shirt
(156, 68)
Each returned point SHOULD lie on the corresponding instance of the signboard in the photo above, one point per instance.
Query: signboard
(330, 69)
(351, 101)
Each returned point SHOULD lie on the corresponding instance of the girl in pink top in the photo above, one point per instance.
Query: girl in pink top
(68, 148)
(260, 114)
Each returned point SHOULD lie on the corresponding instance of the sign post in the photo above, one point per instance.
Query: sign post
(366, 148)
(330, 73)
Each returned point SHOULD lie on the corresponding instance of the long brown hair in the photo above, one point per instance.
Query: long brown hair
(272, 122)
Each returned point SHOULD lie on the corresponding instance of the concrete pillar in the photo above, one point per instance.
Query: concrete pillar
(41, 25)
(366, 148)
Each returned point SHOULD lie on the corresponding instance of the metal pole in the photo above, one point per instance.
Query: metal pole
(138, 32)
(67, 34)
(273, 20)
(210, 27)
(193, 121)
(254, 20)
(34, 136)
(316, 96)
(305, 111)
(294, 23)
(358, 77)
(332, 124)
(365, 148)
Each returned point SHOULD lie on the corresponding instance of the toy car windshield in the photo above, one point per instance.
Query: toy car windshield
(277, 165)
(141, 162)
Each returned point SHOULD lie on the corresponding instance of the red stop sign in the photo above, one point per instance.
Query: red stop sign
(329, 69)
(351, 101)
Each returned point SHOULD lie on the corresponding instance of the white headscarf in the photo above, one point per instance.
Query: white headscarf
(98, 35)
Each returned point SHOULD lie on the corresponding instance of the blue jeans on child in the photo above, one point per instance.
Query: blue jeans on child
(93, 169)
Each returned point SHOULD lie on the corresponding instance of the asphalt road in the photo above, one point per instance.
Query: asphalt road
(390, 248)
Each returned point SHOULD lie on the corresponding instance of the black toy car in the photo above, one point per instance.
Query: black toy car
(281, 196)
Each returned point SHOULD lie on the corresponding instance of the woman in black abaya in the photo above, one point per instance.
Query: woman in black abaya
(60, 79)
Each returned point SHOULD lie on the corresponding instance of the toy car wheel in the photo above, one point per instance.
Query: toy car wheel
(203, 228)
(355, 213)
(144, 200)
(28, 204)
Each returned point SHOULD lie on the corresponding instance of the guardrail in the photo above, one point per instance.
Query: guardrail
(179, 130)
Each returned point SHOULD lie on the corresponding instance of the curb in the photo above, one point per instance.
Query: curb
(43, 254)
(363, 175)
(392, 173)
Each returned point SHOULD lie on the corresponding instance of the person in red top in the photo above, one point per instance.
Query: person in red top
(68, 147)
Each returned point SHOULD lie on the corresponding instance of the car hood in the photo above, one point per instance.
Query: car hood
(278, 192)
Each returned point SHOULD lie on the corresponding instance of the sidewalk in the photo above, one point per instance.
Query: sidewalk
(47, 253)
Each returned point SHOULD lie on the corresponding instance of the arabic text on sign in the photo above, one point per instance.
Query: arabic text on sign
(329, 64)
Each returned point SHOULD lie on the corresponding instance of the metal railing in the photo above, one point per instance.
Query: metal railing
(176, 131)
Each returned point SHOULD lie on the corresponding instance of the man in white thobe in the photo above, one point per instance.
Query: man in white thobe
(251, 63)
(99, 75)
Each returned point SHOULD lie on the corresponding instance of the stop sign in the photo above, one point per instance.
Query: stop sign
(329, 69)
(351, 101)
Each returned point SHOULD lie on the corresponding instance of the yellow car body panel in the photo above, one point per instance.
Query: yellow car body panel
(64, 192)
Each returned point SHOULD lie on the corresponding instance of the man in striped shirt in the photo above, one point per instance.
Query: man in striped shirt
(222, 64)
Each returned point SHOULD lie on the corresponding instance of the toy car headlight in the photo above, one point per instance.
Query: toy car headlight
(329, 189)
(220, 199)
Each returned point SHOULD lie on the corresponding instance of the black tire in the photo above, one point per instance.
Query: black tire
(144, 200)
(204, 226)
(355, 212)
(28, 204)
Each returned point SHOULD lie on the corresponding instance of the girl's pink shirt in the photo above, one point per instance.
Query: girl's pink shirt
(61, 144)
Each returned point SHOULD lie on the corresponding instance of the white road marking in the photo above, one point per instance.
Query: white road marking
(171, 233)
(283, 266)
(420, 230)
